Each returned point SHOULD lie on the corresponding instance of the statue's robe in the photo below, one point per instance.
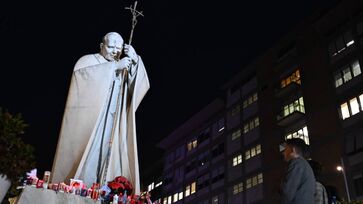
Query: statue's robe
(91, 119)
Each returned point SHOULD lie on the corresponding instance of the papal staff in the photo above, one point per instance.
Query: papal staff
(123, 77)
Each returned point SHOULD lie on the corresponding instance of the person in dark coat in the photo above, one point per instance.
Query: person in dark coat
(298, 185)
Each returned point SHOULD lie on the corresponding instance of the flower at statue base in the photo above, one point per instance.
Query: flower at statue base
(119, 185)
(116, 188)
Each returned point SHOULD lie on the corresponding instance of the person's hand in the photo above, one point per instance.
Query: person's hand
(124, 63)
(130, 52)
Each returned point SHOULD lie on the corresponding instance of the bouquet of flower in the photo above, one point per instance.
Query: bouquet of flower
(120, 191)
(120, 185)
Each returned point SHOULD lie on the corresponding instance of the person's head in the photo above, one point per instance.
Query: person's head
(111, 46)
(294, 148)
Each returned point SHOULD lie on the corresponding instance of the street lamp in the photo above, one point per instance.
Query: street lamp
(341, 169)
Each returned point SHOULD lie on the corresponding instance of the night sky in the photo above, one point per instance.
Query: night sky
(190, 49)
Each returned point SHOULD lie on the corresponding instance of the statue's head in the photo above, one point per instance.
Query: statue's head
(111, 46)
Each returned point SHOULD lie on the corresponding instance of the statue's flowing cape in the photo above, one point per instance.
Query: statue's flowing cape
(89, 121)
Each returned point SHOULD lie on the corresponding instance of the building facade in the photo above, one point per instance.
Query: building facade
(309, 85)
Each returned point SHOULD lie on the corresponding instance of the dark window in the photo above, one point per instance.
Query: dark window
(203, 158)
(358, 185)
(203, 136)
(218, 150)
(340, 43)
(218, 177)
(203, 181)
(190, 166)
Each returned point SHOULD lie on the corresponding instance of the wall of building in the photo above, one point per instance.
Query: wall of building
(298, 88)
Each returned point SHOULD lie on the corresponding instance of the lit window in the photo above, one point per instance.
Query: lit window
(240, 187)
(181, 195)
(236, 134)
(236, 110)
(338, 79)
(356, 68)
(260, 178)
(215, 200)
(255, 97)
(248, 183)
(257, 122)
(187, 190)
(291, 108)
(301, 101)
(245, 129)
(192, 144)
(301, 133)
(297, 105)
(176, 198)
(237, 160)
(253, 181)
(195, 143)
(245, 104)
(237, 188)
(294, 77)
(258, 149)
(151, 186)
(347, 74)
(253, 152)
(251, 125)
(193, 188)
(286, 110)
(354, 106)
(345, 110)
(169, 200)
(248, 154)
(189, 146)
(283, 83)
(165, 201)
(249, 100)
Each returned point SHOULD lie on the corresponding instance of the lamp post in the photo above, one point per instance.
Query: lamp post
(342, 169)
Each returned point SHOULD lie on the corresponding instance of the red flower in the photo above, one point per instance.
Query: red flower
(127, 184)
(116, 186)
(121, 179)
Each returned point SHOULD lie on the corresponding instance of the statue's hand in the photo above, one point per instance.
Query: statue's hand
(124, 63)
(130, 52)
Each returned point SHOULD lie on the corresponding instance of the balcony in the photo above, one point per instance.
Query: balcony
(291, 88)
(289, 119)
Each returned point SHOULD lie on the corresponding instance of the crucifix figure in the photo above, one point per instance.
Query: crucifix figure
(97, 141)
(135, 13)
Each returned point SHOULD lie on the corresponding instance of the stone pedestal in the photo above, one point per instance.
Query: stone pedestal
(31, 194)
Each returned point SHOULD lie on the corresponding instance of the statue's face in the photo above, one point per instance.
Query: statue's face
(112, 47)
